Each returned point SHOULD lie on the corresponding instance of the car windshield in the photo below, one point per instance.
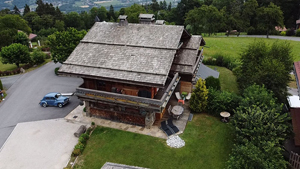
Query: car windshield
(57, 95)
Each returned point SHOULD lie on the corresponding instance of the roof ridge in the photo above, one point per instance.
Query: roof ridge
(115, 69)
(122, 44)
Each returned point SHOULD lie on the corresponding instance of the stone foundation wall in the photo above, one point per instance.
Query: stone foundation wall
(118, 116)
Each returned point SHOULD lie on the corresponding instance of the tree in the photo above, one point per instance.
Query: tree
(59, 25)
(72, 19)
(63, 43)
(133, 13)
(183, 8)
(9, 26)
(206, 19)
(38, 57)
(15, 54)
(26, 9)
(249, 14)
(212, 82)
(111, 13)
(16, 10)
(199, 97)
(102, 14)
(22, 38)
(29, 17)
(268, 66)
(170, 6)
(269, 17)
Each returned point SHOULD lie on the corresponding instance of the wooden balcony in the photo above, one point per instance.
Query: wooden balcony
(158, 103)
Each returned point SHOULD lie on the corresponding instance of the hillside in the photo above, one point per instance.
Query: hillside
(76, 5)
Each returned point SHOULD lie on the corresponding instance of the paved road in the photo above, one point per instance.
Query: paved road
(10, 80)
(271, 37)
(21, 104)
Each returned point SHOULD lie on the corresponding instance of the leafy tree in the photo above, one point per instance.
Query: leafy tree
(219, 101)
(249, 156)
(15, 54)
(59, 25)
(249, 13)
(206, 19)
(268, 66)
(9, 26)
(212, 82)
(26, 9)
(38, 57)
(183, 8)
(122, 11)
(102, 14)
(133, 12)
(22, 38)
(63, 43)
(154, 6)
(73, 19)
(199, 97)
(29, 17)
(269, 17)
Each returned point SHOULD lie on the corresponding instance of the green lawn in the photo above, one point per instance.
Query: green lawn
(233, 46)
(208, 144)
(227, 79)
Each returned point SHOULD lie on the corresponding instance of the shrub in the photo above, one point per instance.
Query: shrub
(199, 97)
(212, 82)
(298, 32)
(219, 101)
(79, 146)
(283, 33)
(48, 56)
(82, 140)
(38, 57)
(290, 32)
(1, 86)
(209, 61)
(93, 123)
(76, 152)
(56, 70)
(89, 130)
(84, 109)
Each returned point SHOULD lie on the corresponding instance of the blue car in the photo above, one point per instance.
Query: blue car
(54, 99)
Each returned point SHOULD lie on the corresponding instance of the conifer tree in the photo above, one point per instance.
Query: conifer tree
(26, 9)
(199, 97)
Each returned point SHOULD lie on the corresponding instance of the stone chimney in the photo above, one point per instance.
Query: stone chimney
(123, 20)
(147, 18)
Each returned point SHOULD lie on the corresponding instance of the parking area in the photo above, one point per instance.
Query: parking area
(40, 144)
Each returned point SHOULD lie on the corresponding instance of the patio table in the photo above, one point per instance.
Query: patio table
(177, 111)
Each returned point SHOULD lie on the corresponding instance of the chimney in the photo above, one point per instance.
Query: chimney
(147, 18)
(123, 20)
(160, 22)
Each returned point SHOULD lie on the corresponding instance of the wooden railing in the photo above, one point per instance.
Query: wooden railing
(122, 98)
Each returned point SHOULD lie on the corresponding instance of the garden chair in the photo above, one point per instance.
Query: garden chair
(166, 129)
(177, 94)
(188, 97)
(169, 110)
(172, 126)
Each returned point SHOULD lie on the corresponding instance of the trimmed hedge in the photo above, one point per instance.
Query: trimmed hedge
(1, 86)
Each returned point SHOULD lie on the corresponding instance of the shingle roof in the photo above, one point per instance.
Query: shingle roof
(155, 36)
(148, 65)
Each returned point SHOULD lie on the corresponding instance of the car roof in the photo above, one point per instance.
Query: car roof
(51, 94)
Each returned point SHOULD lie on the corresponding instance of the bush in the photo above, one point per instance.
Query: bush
(84, 109)
(209, 61)
(290, 32)
(93, 123)
(198, 101)
(38, 57)
(89, 130)
(48, 56)
(283, 33)
(212, 82)
(219, 101)
(298, 32)
(56, 70)
(76, 152)
(82, 140)
(79, 146)
(1, 86)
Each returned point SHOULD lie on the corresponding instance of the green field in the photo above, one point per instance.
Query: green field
(208, 143)
(233, 46)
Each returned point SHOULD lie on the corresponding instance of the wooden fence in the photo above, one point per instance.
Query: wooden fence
(294, 160)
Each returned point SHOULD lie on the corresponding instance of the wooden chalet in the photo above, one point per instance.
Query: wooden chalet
(131, 70)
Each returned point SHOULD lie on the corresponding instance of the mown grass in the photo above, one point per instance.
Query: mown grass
(227, 79)
(208, 145)
(232, 47)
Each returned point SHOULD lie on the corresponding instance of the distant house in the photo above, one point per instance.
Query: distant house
(298, 24)
(131, 70)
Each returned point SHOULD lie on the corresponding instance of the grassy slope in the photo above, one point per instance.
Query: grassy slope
(208, 144)
(233, 46)
(227, 79)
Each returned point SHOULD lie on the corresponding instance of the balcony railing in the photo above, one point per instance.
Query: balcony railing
(129, 99)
